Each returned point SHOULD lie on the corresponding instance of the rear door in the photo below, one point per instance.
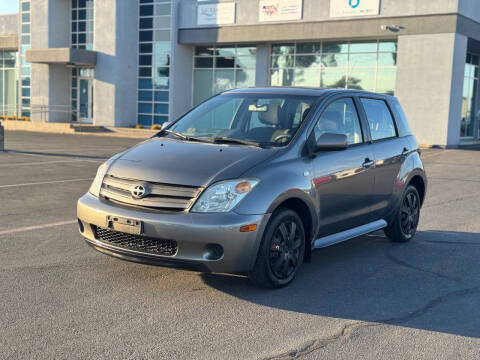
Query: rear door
(343, 180)
(389, 151)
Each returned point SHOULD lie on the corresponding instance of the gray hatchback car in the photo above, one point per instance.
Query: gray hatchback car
(252, 180)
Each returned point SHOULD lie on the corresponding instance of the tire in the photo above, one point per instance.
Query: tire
(405, 220)
(281, 251)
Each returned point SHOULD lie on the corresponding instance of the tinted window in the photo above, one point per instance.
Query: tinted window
(379, 119)
(340, 117)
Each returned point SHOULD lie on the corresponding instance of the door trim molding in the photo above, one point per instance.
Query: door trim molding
(349, 234)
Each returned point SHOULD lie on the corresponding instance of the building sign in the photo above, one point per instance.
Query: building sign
(344, 8)
(280, 10)
(216, 14)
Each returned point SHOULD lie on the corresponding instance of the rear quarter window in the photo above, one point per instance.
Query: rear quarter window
(402, 123)
(379, 119)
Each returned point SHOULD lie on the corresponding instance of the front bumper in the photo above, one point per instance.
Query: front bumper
(194, 233)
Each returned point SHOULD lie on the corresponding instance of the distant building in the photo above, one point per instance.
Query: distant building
(122, 63)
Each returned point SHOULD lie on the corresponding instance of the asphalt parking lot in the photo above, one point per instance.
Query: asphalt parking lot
(367, 298)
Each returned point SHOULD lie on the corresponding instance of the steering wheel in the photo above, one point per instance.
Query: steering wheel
(283, 136)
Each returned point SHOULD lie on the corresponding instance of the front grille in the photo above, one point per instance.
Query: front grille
(136, 242)
(159, 196)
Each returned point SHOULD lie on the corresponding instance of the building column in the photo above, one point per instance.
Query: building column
(181, 72)
(262, 74)
(50, 84)
(115, 83)
(429, 85)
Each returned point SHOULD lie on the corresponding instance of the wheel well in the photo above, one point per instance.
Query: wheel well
(417, 181)
(301, 208)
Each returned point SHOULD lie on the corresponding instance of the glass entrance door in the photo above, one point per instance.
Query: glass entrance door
(469, 128)
(85, 100)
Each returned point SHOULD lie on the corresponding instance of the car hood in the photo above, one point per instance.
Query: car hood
(170, 161)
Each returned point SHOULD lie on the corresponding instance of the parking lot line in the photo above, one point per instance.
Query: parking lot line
(37, 227)
(43, 183)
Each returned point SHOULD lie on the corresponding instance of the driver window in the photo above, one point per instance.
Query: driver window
(340, 117)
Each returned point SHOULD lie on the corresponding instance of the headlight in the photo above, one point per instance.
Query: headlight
(224, 196)
(97, 182)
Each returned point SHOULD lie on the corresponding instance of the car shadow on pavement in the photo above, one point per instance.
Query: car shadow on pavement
(431, 283)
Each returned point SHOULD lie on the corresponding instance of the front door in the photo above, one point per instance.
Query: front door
(344, 180)
(85, 100)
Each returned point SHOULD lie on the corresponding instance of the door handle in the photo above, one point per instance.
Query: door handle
(405, 151)
(368, 163)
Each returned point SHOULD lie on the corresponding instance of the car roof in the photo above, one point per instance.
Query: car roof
(303, 91)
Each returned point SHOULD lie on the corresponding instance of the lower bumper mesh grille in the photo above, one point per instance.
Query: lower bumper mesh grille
(136, 242)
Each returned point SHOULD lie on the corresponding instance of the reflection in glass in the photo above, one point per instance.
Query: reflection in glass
(306, 61)
(283, 49)
(362, 79)
(203, 81)
(363, 47)
(334, 78)
(335, 48)
(282, 61)
(334, 60)
(307, 77)
(308, 48)
(387, 59)
(245, 78)
(386, 79)
(224, 80)
(246, 62)
(282, 77)
(362, 60)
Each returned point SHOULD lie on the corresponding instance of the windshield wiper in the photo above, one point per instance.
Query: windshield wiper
(226, 140)
(174, 133)
(182, 136)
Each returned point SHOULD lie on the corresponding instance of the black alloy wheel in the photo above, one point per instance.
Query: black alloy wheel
(410, 214)
(403, 224)
(285, 249)
(281, 251)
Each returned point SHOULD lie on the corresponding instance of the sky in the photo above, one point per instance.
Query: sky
(8, 6)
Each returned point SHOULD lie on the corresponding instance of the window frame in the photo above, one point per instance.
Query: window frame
(395, 126)
(365, 139)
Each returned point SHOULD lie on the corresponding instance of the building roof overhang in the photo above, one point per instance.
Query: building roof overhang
(65, 56)
(9, 42)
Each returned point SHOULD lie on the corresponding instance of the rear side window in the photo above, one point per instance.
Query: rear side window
(402, 123)
(379, 119)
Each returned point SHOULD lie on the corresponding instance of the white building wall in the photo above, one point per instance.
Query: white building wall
(429, 85)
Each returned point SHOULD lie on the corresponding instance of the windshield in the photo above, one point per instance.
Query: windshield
(266, 120)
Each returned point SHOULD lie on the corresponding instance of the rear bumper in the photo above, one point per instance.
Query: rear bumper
(195, 235)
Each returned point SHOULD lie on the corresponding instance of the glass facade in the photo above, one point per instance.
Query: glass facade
(82, 38)
(469, 124)
(8, 82)
(222, 68)
(154, 61)
(82, 24)
(25, 44)
(354, 65)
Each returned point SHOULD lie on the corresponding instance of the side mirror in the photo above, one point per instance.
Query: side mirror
(166, 124)
(331, 141)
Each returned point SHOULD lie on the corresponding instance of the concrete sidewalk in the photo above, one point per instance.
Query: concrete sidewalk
(77, 129)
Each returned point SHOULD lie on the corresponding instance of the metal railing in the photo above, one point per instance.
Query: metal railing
(40, 113)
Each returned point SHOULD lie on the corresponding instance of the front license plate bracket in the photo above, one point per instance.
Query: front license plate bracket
(126, 225)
